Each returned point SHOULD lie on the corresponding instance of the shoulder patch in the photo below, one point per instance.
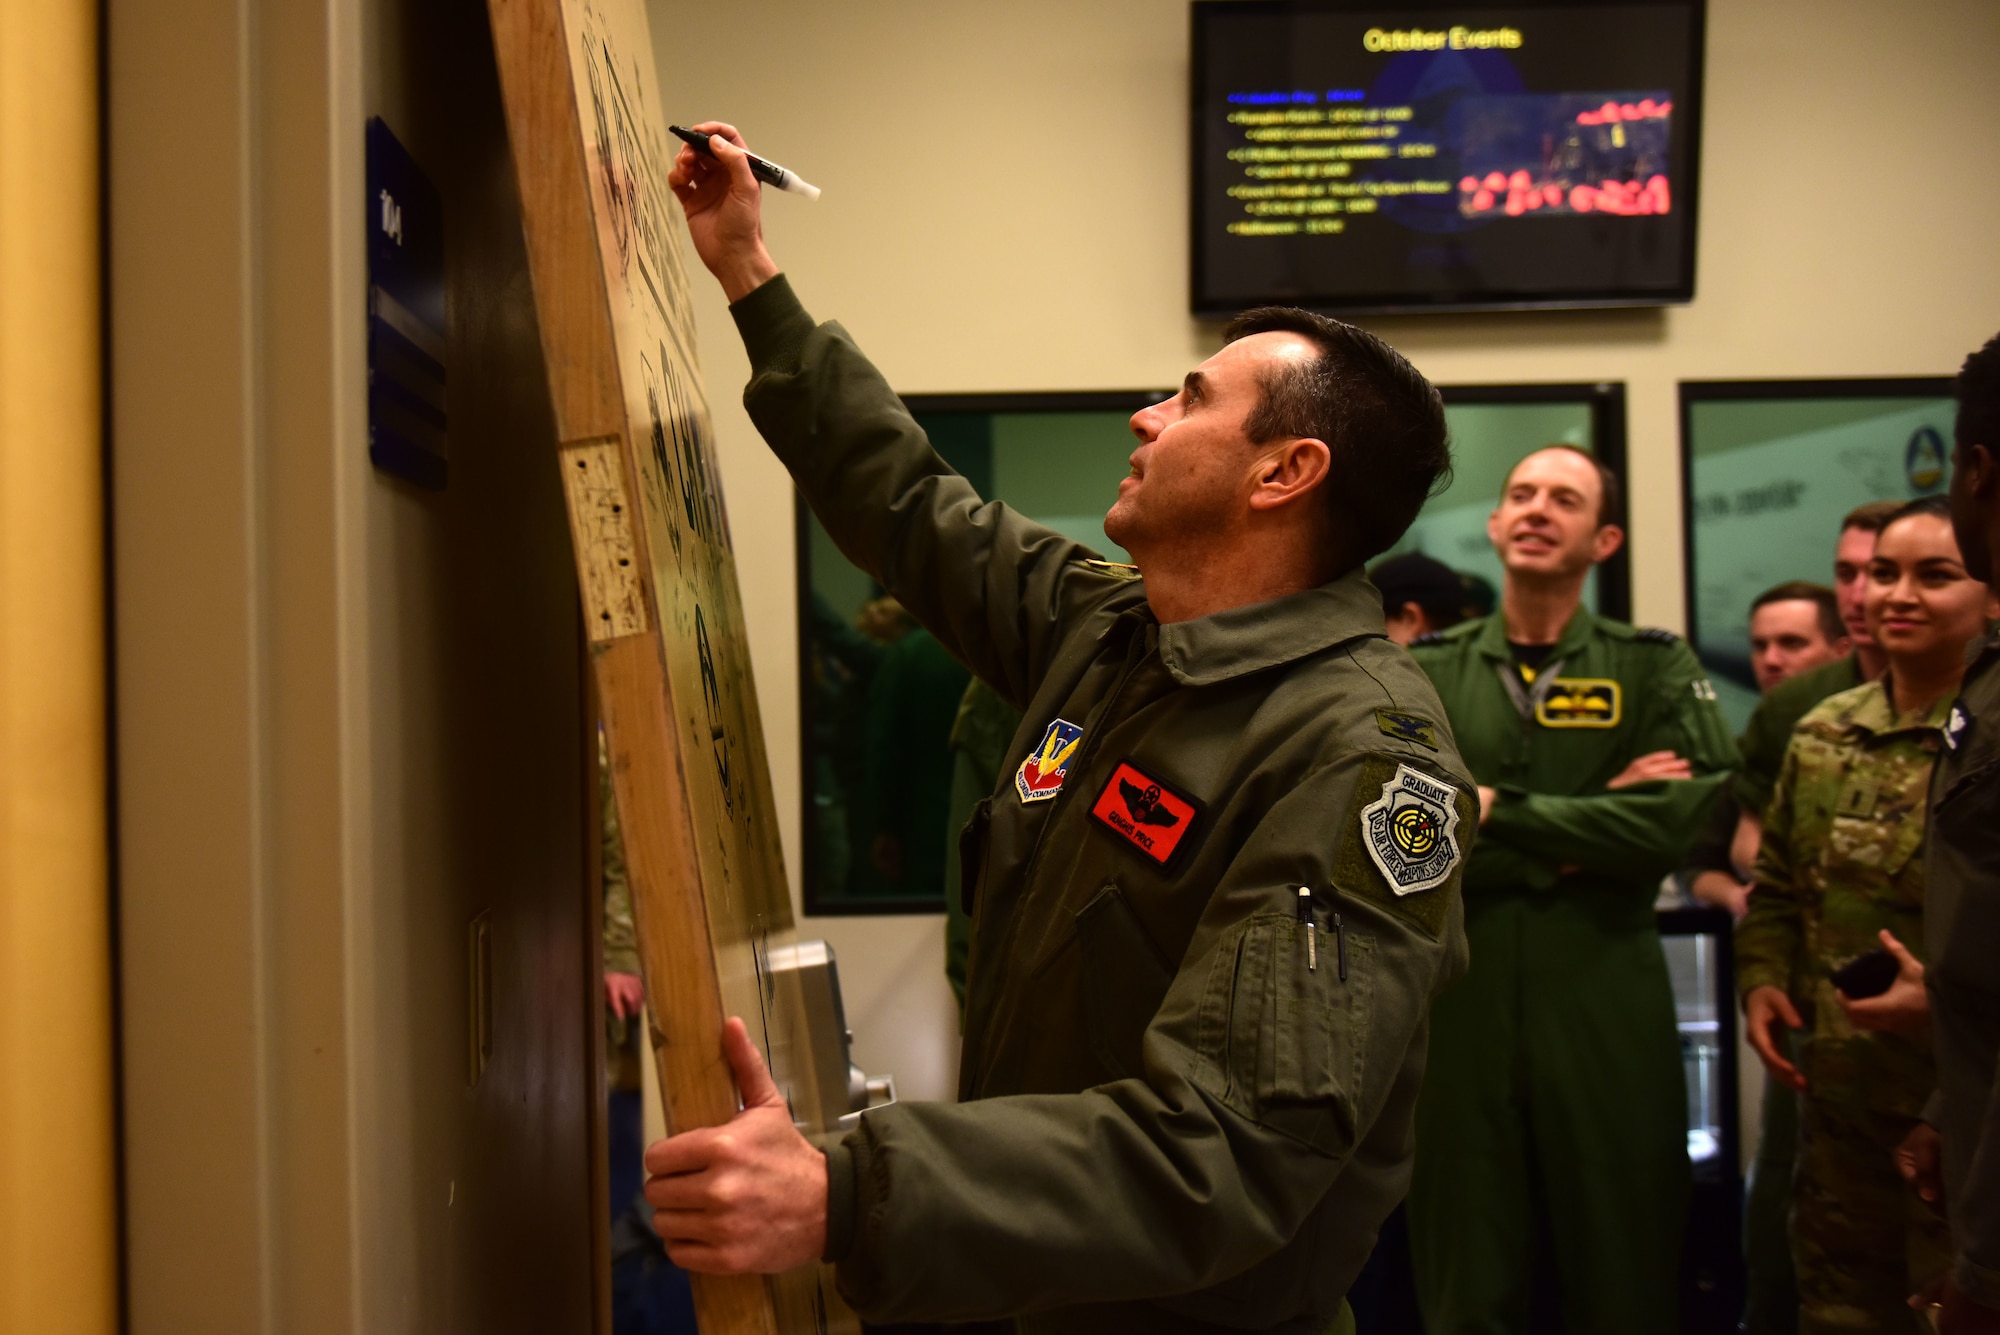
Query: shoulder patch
(1654, 635)
(1407, 727)
(1400, 847)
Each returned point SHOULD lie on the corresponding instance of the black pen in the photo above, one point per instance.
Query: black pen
(770, 173)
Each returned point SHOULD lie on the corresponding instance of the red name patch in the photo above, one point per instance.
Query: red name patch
(1144, 812)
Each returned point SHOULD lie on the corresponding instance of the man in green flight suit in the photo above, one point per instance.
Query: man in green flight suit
(1553, 1123)
(1214, 892)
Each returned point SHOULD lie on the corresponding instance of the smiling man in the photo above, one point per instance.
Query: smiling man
(1214, 891)
(1553, 1121)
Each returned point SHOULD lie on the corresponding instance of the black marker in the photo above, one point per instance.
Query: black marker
(770, 173)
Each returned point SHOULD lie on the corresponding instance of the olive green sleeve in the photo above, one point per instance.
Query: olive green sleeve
(1645, 829)
(1772, 934)
(1261, 1075)
(621, 938)
(999, 591)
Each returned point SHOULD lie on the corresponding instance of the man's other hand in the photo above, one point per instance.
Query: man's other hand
(1904, 1009)
(724, 204)
(1764, 1007)
(1653, 765)
(1743, 845)
(746, 1197)
(624, 993)
(1722, 890)
(1919, 1159)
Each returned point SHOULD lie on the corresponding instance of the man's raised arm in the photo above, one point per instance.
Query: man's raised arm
(996, 589)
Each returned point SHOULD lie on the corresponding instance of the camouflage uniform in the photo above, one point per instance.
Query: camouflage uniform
(1838, 864)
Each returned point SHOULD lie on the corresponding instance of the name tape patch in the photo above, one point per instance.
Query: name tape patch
(1144, 812)
(1411, 831)
(1581, 702)
(1041, 775)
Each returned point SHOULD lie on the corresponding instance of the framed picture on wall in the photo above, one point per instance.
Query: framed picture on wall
(891, 745)
(1768, 468)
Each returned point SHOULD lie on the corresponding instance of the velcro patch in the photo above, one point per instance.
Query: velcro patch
(1407, 727)
(1581, 702)
(1145, 813)
(1392, 875)
(1041, 775)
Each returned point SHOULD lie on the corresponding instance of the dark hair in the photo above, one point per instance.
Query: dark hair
(1378, 416)
(1872, 517)
(1610, 495)
(1939, 506)
(1429, 583)
(1978, 392)
(1805, 591)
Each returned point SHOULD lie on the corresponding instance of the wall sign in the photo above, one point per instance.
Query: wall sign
(407, 424)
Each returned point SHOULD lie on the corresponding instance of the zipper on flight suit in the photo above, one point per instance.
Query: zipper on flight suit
(1094, 726)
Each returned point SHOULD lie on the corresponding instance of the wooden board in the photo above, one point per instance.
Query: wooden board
(658, 580)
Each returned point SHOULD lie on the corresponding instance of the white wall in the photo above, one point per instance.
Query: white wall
(1005, 209)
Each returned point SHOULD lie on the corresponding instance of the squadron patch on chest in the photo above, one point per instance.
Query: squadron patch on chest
(1145, 813)
(1411, 831)
(1041, 775)
(1581, 702)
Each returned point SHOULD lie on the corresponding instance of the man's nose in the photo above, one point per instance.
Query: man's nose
(1145, 424)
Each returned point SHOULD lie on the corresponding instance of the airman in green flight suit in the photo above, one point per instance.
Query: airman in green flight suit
(1552, 1128)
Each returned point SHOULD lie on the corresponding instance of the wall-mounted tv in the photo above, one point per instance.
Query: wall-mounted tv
(1353, 156)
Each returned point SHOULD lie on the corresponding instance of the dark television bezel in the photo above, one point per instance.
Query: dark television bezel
(1614, 588)
(1403, 304)
(1692, 392)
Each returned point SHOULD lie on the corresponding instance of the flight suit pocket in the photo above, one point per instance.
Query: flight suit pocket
(972, 853)
(1125, 980)
(1295, 1038)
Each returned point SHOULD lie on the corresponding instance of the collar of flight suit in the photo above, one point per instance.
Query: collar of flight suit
(1874, 713)
(1242, 640)
(1492, 641)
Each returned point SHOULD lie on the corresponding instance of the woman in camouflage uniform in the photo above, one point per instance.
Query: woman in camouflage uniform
(1837, 877)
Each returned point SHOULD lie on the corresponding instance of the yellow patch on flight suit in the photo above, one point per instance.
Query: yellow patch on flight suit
(1581, 702)
(1359, 871)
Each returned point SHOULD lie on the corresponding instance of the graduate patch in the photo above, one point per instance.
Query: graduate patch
(1407, 727)
(1144, 812)
(1581, 702)
(1041, 775)
(1411, 831)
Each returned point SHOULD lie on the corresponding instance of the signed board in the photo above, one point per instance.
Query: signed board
(659, 588)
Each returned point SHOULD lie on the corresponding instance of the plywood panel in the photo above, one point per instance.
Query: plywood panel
(658, 576)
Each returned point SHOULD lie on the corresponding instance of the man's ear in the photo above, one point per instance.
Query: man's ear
(1981, 469)
(1609, 539)
(1288, 471)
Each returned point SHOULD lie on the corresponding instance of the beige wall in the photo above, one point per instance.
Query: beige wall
(58, 1234)
(1005, 209)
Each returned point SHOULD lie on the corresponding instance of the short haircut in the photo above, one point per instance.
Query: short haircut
(1936, 506)
(1426, 581)
(1380, 419)
(1805, 591)
(1611, 496)
(1978, 392)
(1870, 518)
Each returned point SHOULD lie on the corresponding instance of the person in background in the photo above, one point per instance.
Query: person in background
(1420, 595)
(1962, 912)
(1553, 1120)
(1837, 877)
(1771, 1298)
(1794, 628)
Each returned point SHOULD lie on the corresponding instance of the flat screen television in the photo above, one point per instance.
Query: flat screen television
(1352, 156)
